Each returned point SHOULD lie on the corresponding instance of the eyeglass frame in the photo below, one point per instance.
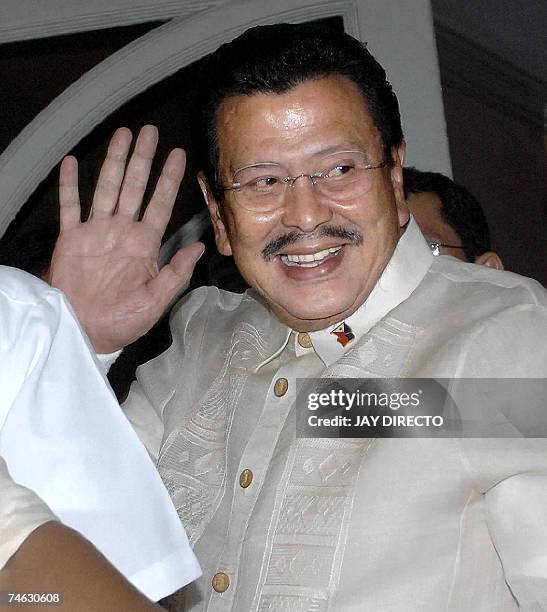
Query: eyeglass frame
(290, 180)
(435, 247)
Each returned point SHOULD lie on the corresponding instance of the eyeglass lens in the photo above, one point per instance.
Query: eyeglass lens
(342, 178)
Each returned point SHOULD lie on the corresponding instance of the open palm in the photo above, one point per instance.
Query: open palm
(107, 266)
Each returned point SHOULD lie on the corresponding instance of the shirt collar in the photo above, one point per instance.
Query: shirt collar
(404, 272)
(277, 351)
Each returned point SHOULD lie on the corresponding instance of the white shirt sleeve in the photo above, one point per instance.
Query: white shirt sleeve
(145, 420)
(21, 512)
(515, 510)
(64, 436)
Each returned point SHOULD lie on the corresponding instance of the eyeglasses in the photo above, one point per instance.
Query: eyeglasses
(343, 177)
(436, 247)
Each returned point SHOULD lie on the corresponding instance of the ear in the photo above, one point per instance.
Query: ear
(490, 260)
(398, 154)
(221, 235)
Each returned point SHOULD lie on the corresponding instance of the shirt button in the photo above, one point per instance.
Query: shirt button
(304, 340)
(245, 478)
(281, 386)
(220, 582)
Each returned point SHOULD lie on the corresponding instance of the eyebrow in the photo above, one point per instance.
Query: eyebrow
(258, 165)
(338, 148)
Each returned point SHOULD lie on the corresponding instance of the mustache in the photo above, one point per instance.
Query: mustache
(277, 245)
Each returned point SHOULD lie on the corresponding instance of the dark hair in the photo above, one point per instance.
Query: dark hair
(276, 58)
(459, 208)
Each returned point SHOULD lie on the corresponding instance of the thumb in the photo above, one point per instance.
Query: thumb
(175, 275)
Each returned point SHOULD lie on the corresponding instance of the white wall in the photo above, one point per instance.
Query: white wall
(401, 36)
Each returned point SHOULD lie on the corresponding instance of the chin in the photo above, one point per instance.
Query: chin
(315, 315)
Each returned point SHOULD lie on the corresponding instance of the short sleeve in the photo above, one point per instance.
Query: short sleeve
(21, 512)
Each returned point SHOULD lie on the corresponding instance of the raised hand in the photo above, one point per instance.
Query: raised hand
(107, 265)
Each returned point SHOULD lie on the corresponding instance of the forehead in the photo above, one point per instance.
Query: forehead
(312, 119)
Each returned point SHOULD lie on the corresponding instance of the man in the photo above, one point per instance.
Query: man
(302, 154)
(102, 513)
(450, 218)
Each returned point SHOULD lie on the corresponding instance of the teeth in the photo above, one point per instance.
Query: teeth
(309, 261)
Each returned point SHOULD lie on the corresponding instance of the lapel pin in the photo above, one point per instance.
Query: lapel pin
(343, 334)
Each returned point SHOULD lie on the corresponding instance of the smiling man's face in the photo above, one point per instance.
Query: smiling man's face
(315, 259)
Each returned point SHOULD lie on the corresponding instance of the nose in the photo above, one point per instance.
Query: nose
(304, 208)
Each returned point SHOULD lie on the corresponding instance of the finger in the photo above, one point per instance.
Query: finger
(138, 171)
(158, 211)
(69, 199)
(111, 175)
(175, 275)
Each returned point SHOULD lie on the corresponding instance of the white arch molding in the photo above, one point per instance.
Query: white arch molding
(164, 50)
(28, 19)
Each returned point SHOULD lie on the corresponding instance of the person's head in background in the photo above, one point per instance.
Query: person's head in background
(450, 218)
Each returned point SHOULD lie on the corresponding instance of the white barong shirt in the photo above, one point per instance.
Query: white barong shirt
(351, 525)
